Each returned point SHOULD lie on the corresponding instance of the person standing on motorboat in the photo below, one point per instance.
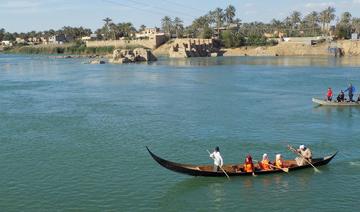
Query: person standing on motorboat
(329, 94)
(218, 160)
(351, 91)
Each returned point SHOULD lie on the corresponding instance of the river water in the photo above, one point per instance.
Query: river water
(73, 135)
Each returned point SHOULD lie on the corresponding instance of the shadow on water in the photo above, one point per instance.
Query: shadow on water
(281, 61)
(218, 191)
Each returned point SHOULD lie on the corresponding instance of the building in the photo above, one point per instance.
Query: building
(20, 40)
(148, 32)
(89, 38)
(354, 36)
(6, 43)
(57, 39)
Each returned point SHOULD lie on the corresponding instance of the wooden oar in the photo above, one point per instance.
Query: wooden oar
(296, 152)
(284, 169)
(220, 167)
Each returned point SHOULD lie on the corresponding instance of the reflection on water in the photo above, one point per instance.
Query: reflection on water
(266, 61)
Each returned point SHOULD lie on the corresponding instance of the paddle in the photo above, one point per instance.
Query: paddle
(220, 167)
(283, 169)
(296, 152)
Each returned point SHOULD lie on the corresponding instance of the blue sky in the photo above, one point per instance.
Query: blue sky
(27, 15)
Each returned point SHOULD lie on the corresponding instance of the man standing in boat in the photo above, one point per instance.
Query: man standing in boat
(218, 160)
(329, 94)
(351, 91)
(306, 154)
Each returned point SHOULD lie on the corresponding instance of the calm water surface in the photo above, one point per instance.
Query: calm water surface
(73, 136)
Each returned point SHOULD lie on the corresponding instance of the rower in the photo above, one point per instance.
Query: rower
(329, 94)
(350, 90)
(279, 162)
(248, 165)
(218, 160)
(306, 153)
(265, 163)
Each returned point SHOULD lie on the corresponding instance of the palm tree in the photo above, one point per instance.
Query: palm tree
(311, 21)
(218, 16)
(107, 20)
(355, 24)
(326, 16)
(178, 26)
(166, 24)
(295, 18)
(230, 14)
(142, 28)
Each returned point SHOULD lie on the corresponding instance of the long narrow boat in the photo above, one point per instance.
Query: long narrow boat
(332, 103)
(232, 169)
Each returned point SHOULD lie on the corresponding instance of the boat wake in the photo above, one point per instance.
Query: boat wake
(354, 163)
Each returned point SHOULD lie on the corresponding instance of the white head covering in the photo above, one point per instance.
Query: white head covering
(265, 156)
(278, 156)
(302, 147)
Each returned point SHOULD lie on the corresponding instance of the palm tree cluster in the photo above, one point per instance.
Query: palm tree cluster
(112, 31)
(212, 23)
(171, 27)
(74, 32)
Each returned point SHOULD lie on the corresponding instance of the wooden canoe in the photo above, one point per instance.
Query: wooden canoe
(232, 169)
(333, 103)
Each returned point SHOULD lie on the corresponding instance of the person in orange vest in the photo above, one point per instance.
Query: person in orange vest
(279, 162)
(329, 94)
(248, 165)
(265, 163)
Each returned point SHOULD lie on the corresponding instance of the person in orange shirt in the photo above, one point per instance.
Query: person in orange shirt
(279, 162)
(265, 163)
(248, 165)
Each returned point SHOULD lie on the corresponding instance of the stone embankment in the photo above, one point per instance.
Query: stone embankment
(131, 56)
(347, 48)
(182, 48)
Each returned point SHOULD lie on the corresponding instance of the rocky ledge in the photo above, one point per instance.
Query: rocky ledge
(132, 56)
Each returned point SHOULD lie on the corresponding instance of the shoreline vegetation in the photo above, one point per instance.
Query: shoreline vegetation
(233, 37)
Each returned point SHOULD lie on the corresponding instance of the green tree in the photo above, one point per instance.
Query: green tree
(106, 28)
(355, 25)
(2, 33)
(218, 17)
(295, 18)
(142, 28)
(230, 14)
(311, 21)
(178, 27)
(166, 24)
(326, 16)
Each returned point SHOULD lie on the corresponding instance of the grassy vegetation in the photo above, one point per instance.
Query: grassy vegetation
(71, 49)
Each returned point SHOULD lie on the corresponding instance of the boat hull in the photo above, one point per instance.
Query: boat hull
(206, 170)
(331, 103)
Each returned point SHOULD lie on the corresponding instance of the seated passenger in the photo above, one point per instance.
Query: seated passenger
(248, 165)
(265, 163)
(279, 162)
(341, 96)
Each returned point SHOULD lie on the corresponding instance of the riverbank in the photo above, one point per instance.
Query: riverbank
(65, 49)
(348, 47)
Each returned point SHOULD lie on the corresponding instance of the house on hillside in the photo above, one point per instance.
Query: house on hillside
(57, 39)
(6, 43)
(19, 40)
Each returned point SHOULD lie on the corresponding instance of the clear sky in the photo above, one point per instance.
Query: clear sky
(27, 15)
